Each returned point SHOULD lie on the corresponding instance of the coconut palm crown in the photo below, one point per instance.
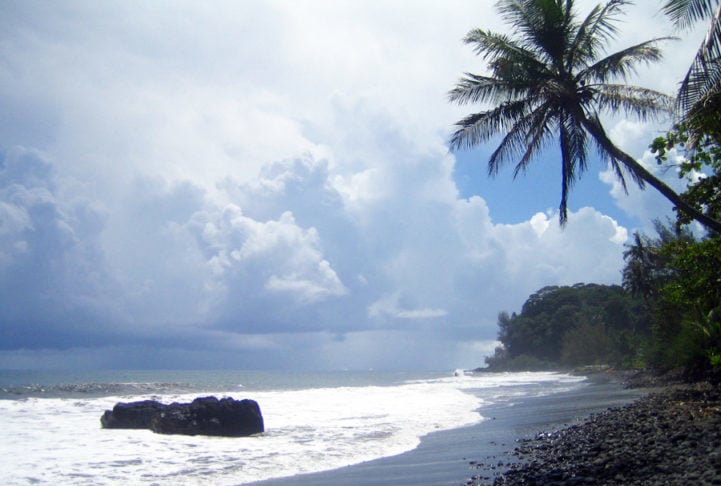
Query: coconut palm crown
(550, 82)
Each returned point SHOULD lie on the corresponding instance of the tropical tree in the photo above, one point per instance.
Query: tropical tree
(699, 97)
(641, 264)
(700, 166)
(551, 79)
(646, 269)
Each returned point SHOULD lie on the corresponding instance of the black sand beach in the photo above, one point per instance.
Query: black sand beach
(670, 437)
(480, 453)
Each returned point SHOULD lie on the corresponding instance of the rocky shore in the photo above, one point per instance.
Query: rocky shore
(672, 436)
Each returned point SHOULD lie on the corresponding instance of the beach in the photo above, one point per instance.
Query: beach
(480, 453)
(670, 437)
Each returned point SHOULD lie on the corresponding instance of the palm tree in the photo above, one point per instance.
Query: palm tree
(551, 80)
(699, 98)
(637, 274)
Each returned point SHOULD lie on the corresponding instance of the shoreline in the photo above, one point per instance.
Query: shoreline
(671, 436)
(455, 457)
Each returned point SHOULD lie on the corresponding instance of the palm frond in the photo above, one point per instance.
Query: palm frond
(532, 135)
(506, 58)
(595, 30)
(545, 25)
(474, 88)
(523, 15)
(491, 45)
(704, 73)
(567, 177)
(616, 167)
(712, 42)
(480, 127)
(623, 63)
(584, 44)
(705, 113)
(684, 13)
(572, 138)
(645, 104)
(577, 140)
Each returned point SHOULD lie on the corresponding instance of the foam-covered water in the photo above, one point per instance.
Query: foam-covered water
(52, 433)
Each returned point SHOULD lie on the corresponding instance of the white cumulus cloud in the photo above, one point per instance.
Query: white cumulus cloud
(267, 185)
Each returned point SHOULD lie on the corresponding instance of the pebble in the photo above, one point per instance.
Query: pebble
(671, 437)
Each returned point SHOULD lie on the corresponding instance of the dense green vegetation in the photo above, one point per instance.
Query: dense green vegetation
(585, 324)
(679, 273)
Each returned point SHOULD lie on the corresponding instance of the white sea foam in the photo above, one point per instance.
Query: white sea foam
(59, 440)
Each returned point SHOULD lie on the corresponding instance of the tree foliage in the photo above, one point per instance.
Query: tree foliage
(700, 165)
(685, 304)
(677, 273)
(584, 324)
(685, 272)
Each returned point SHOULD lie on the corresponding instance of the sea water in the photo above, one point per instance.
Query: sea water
(51, 430)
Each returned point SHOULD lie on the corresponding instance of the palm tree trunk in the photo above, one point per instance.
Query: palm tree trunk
(642, 173)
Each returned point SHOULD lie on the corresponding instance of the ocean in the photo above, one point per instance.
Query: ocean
(314, 422)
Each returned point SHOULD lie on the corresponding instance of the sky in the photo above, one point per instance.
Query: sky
(266, 184)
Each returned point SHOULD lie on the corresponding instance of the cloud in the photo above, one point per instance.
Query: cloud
(268, 186)
(278, 255)
(51, 260)
(389, 306)
(646, 204)
(187, 271)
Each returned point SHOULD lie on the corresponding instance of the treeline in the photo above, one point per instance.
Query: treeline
(667, 313)
(585, 324)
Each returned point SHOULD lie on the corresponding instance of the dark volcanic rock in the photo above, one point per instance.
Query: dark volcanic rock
(203, 416)
(133, 415)
(210, 416)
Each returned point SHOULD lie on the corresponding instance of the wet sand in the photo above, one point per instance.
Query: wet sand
(472, 454)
